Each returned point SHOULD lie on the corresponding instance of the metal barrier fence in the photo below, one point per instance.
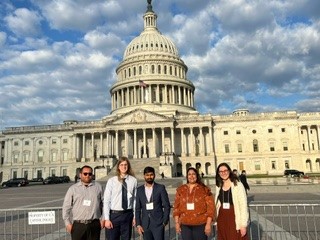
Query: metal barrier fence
(267, 222)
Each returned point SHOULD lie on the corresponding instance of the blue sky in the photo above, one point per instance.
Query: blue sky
(58, 58)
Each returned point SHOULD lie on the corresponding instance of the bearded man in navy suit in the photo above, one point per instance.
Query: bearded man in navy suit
(152, 207)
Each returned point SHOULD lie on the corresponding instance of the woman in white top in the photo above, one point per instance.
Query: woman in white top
(231, 205)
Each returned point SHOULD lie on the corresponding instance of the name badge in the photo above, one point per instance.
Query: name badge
(86, 203)
(190, 206)
(226, 205)
(149, 206)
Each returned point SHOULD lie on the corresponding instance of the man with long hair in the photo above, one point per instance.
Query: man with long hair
(119, 201)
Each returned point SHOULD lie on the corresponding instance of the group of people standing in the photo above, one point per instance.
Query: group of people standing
(122, 205)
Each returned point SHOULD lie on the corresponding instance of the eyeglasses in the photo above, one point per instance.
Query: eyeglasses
(225, 171)
(87, 173)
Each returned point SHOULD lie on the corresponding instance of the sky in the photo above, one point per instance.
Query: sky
(58, 58)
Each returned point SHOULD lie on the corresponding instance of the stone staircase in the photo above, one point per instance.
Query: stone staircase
(138, 166)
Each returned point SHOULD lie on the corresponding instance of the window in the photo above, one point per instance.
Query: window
(65, 140)
(273, 165)
(257, 166)
(53, 172)
(15, 157)
(16, 143)
(54, 141)
(271, 145)
(26, 143)
(40, 142)
(40, 156)
(238, 132)
(65, 156)
(239, 147)
(283, 130)
(303, 147)
(225, 132)
(226, 148)
(54, 156)
(64, 172)
(270, 130)
(255, 145)
(254, 131)
(26, 157)
(285, 146)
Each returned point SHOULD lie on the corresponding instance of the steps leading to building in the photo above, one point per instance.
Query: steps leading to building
(138, 166)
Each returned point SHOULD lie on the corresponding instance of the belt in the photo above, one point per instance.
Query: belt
(85, 221)
(121, 211)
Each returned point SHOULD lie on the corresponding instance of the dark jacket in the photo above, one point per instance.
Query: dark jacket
(161, 207)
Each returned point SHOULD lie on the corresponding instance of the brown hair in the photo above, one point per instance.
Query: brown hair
(129, 171)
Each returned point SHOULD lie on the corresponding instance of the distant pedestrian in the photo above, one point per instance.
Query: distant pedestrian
(243, 179)
(236, 174)
(162, 175)
(82, 207)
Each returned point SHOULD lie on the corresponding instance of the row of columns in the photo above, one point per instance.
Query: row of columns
(110, 144)
(153, 93)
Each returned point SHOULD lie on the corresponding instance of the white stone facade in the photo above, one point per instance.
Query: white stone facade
(153, 116)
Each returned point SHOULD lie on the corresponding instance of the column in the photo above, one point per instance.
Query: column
(182, 142)
(308, 137)
(154, 142)
(165, 95)
(162, 138)
(172, 140)
(179, 95)
(135, 143)
(201, 142)
(144, 143)
(126, 143)
(158, 93)
(92, 146)
(210, 140)
(101, 144)
(192, 149)
(83, 147)
(75, 144)
(107, 143)
(116, 142)
(173, 95)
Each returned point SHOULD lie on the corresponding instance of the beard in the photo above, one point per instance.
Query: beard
(149, 181)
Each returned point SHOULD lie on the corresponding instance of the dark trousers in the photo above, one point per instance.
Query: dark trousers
(193, 232)
(154, 233)
(122, 226)
(90, 231)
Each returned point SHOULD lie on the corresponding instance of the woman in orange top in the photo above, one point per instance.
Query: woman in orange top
(194, 208)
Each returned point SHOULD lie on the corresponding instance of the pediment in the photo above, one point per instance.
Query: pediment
(140, 116)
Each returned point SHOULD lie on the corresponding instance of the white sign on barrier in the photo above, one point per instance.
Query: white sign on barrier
(47, 217)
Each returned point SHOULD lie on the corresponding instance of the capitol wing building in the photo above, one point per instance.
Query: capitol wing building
(153, 120)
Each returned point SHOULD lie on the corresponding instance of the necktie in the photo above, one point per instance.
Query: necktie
(124, 194)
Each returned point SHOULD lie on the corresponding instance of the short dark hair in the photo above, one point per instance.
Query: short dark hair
(148, 170)
(85, 166)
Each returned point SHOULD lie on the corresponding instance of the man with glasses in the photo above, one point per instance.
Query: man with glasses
(82, 207)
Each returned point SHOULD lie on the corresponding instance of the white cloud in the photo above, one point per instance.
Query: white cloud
(24, 22)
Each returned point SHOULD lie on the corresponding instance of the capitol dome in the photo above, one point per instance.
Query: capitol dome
(152, 75)
(151, 41)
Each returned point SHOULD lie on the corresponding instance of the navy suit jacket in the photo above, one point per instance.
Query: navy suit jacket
(161, 207)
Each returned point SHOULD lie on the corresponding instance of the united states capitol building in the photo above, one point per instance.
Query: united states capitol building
(153, 118)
